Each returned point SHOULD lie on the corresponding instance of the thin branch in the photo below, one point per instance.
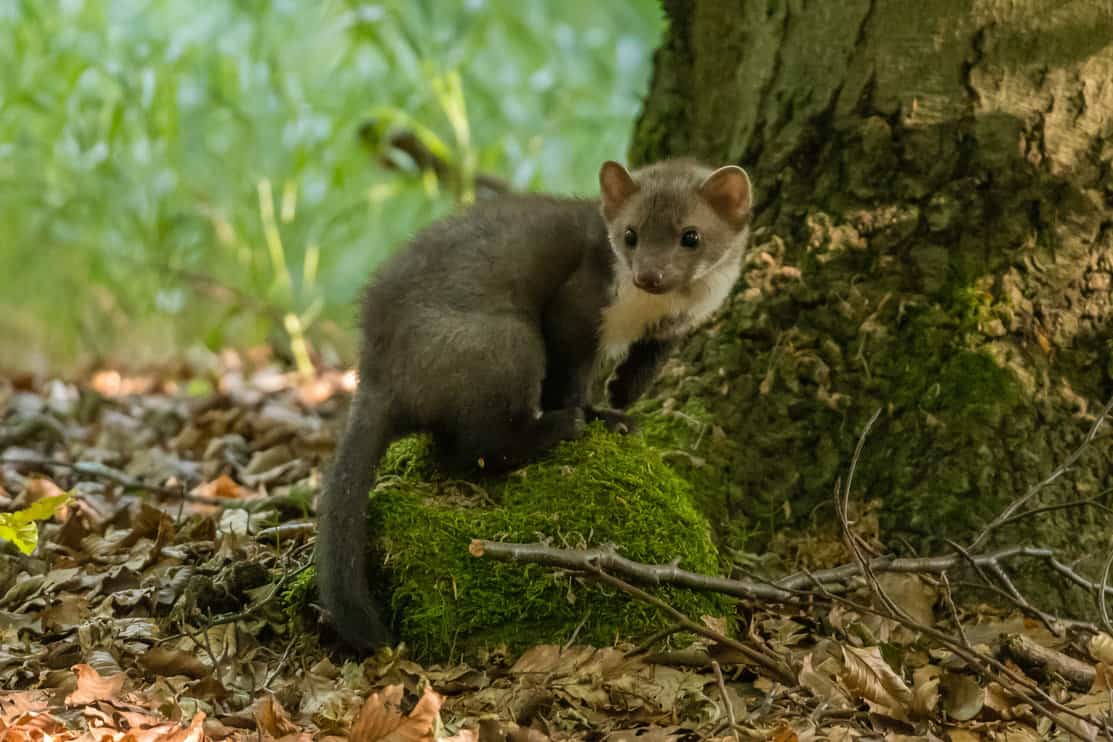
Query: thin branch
(774, 665)
(842, 511)
(580, 560)
(949, 597)
(723, 692)
(1047, 661)
(1103, 607)
(1092, 502)
(1005, 515)
(661, 635)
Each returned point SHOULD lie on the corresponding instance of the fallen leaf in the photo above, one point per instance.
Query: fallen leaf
(1101, 648)
(92, 687)
(821, 681)
(963, 698)
(381, 719)
(16, 704)
(223, 486)
(41, 487)
(19, 527)
(911, 593)
(195, 732)
(273, 719)
(925, 691)
(869, 676)
(163, 660)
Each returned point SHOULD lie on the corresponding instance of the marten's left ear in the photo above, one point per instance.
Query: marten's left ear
(616, 186)
(729, 193)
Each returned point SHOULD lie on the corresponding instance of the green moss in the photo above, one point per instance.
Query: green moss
(602, 489)
(946, 386)
(297, 596)
(976, 389)
(970, 306)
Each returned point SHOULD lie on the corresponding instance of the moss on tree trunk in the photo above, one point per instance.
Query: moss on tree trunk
(934, 193)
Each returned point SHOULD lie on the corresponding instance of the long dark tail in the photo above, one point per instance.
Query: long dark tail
(342, 526)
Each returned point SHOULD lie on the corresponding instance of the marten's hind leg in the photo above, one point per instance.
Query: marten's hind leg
(494, 368)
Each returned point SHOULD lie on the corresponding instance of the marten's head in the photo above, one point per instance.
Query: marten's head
(674, 222)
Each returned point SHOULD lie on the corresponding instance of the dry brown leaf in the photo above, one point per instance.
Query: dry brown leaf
(912, 593)
(464, 735)
(821, 681)
(16, 704)
(869, 676)
(164, 660)
(223, 486)
(272, 719)
(195, 732)
(1096, 704)
(381, 718)
(1101, 648)
(955, 734)
(925, 691)
(784, 733)
(92, 687)
(35, 725)
(41, 487)
(1004, 704)
(1103, 677)
(963, 698)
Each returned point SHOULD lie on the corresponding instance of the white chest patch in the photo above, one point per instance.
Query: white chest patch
(635, 314)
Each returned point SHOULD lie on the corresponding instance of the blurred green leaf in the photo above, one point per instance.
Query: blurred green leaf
(19, 527)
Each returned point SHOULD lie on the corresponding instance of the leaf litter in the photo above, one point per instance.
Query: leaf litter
(150, 531)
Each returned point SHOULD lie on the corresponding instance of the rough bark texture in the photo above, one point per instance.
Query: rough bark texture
(935, 197)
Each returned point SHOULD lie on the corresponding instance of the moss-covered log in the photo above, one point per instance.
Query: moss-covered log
(935, 193)
(603, 489)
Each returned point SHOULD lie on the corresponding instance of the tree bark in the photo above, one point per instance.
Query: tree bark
(934, 210)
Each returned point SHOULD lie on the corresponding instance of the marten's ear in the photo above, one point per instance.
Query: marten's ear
(729, 193)
(616, 186)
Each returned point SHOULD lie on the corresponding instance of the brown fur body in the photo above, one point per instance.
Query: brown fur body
(485, 331)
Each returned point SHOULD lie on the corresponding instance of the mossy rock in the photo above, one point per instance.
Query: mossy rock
(602, 489)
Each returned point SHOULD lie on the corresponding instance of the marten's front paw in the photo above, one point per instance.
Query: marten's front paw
(616, 422)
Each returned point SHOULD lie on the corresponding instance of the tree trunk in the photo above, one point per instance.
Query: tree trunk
(934, 192)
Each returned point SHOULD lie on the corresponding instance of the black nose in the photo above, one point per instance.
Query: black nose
(651, 281)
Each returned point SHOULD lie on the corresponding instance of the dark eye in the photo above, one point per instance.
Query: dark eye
(631, 237)
(690, 238)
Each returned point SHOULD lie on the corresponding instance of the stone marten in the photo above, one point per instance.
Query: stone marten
(486, 329)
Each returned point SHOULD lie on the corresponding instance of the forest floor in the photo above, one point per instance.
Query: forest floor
(155, 604)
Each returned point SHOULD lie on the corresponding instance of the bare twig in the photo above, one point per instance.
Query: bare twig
(782, 590)
(576, 632)
(1007, 514)
(774, 665)
(661, 635)
(1047, 661)
(953, 609)
(1051, 622)
(1087, 502)
(723, 692)
(842, 512)
(1099, 594)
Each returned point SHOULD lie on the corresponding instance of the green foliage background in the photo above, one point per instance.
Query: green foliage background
(175, 174)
